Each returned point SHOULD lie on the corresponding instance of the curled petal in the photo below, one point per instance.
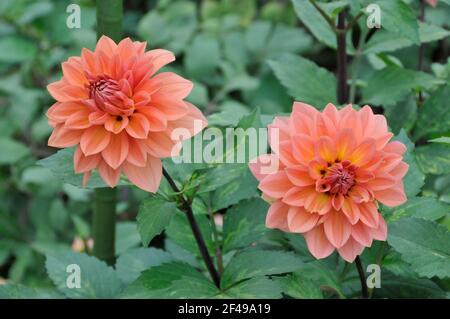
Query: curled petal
(318, 243)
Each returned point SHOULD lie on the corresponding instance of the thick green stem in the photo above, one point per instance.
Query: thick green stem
(104, 224)
(109, 19)
(109, 22)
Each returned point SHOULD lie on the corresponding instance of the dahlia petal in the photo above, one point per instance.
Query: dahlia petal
(317, 168)
(78, 120)
(116, 124)
(363, 153)
(73, 75)
(325, 149)
(94, 140)
(148, 177)
(332, 113)
(359, 194)
(362, 234)
(74, 93)
(98, 118)
(86, 177)
(380, 233)
(381, 182)
(299, 175)
(285, 154)
(350, 250)
(159, 144)
(391, 197)
(117, 150)
(173, 85)
(318, 203)
(297, 196)
(56, 91)
(63, 137)
(400, 170)
(351, 210)
(194, 121)
(369, 214)
(337, 229)
(173, 109)
(138, 126)
(160, 58)
(395, 147)
(277, 216)
(156, 118)
(89, 62)
(264, 165)
(337, 201)
(278, 131)
(136, 153)
(82, 163)
(345, 144)
(60, 112)
(109, 175)
(303, 148)
(301, 221)
(318, 243)
(106, 45)
(275, 185)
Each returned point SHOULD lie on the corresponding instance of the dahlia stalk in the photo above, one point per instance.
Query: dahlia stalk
(121, 115)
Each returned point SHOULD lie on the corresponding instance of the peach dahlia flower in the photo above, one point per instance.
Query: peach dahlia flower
(120, 114)
(334, 168)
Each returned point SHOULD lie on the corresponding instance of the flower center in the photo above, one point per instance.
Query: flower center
(108, 96)
(339, 178)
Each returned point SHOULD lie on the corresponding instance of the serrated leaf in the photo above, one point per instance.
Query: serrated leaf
(423, 244)
(434, 158)
(244, 224)
(392, 84)
(130, 264)
(420, 207)
(127, 237)
(155, 214)
(202, 57)
(435, 107)
(315, 86)
(18, 291)
(300, 287)
(255, 288)
(96, 278)
(256, 262)
(171, 280)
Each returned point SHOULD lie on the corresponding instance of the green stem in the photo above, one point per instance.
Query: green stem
(104, 223)
(109, 19)
(109, 22)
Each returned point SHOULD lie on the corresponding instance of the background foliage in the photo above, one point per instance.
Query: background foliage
(249, 60)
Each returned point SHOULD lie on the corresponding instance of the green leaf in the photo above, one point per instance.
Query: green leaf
(434, 158)
(421, 207)
(97, 279)
(255, 288)
(384, 41)
(392, 84)
(17, 291)
(315, 23)
(154, 216)
(402, 115)
(244, 224)
(398, 18)
(411, 287)
(414, 179)
(322, 276)
(315, 86)
(171, 29)
(435, 107)
(61, 165)
(171, 280)
(180, 232)
(12, 151)
(130, 264)
(423, 244)
(14, 49)
(127, 237)
(300, 287)
(202, 57)
(256, 262)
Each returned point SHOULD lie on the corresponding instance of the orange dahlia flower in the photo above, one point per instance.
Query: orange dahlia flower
(119, 113)
(334, 168)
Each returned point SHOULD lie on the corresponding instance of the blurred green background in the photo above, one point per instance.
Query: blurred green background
(223, 46)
